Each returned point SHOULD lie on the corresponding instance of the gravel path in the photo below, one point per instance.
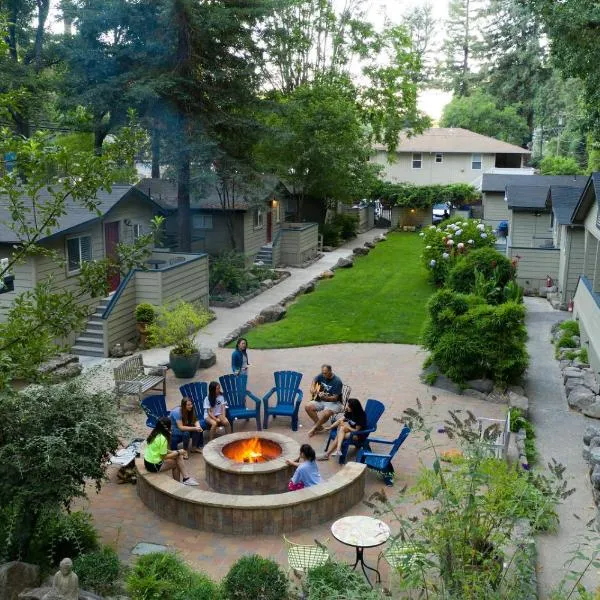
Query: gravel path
(559, 436)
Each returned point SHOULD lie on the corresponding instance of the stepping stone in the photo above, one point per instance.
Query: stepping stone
(142, 548)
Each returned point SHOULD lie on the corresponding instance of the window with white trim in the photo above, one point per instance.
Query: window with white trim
(439, 158)
(258, 218)
(476, 161)
(202, 221)
(79, 250)
(137, 231)
(417, 160)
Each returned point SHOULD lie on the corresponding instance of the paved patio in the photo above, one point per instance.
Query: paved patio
(387, 372)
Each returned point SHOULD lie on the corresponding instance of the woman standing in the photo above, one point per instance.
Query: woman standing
(185, 427)
(215, 409)
(354, 420)
(158, 458)
(239, 357)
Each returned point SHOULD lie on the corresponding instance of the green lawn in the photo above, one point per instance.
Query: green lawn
(381, 299)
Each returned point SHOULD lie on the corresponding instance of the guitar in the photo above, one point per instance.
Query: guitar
(314, 390)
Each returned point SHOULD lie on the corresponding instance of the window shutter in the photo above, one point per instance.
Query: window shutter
(73, 254)
(86, 248)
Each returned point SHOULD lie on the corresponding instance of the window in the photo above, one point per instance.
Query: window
(417, 160)
(439, 158)
(137, 231)
(202, 221)
(258, 218)
(79, 250)
(476, 162)
(276, 211)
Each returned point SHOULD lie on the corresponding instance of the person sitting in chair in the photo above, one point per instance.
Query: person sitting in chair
(326, 390)
(354, 420)
(215, 409)
(186, 428)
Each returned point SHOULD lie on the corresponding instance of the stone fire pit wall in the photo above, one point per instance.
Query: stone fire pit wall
(230, 477)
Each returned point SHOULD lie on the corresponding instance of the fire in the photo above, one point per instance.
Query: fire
(253, 450)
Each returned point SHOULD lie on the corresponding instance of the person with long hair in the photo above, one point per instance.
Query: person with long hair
(215, 409)
(307, 473)
(158, 457)
(186, 428)
(239, 357)
(354, 420)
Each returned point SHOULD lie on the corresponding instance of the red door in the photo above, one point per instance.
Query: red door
(111, 239)
(269, 226)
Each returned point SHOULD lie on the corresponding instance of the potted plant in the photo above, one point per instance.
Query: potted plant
(144, 315)
(175, 325)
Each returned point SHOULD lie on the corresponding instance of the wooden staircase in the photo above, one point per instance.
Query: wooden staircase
(90, 342)
(265, 255)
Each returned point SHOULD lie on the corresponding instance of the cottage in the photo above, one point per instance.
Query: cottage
(587, 293)
(124, 213)
(449, 155)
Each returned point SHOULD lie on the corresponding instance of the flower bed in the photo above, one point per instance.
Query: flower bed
(229, 300)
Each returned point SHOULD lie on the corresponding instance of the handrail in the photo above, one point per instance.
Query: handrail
(115, 297)
(277, 237)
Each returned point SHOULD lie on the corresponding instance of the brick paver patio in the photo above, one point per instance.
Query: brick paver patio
(389, 373)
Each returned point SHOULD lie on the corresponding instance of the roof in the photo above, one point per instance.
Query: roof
(493, 182)
(453, 140)
(563, 200)
(164, 192)
(526, 197)
(592, 189)
(76, 215)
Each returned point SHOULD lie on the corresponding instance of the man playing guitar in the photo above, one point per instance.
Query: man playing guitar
(326, 390)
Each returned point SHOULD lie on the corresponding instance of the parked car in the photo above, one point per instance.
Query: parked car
(440, 212)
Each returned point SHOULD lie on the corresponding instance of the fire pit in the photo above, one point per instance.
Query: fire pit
(250, 463)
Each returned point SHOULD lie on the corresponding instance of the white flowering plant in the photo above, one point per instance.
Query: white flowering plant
(445, 243)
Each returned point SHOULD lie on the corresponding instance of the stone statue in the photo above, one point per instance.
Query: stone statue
(65, 585)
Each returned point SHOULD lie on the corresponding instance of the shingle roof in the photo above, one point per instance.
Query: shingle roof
(585, 202)
(564, 200)
(76, 214)
(493, 182)
(526, 197)
(453, 140)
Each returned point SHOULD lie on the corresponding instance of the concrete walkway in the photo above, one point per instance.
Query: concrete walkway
(559, 435)
(229, 319)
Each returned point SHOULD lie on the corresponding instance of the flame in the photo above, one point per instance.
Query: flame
(253, 450)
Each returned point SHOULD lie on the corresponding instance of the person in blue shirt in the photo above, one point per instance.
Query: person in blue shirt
(326, 390)
(185, 427)
(239, 357)
(307, 472)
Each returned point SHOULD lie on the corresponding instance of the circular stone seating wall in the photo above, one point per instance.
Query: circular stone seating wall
(244, 515)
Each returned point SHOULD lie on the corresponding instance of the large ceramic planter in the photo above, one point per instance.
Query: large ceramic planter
(143, 331)
(184, 366)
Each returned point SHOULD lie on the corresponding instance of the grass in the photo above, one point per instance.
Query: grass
(382, 298)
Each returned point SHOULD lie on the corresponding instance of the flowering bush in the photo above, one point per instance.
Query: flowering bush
(445, 243)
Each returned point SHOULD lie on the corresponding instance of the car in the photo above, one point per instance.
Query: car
(440, 212)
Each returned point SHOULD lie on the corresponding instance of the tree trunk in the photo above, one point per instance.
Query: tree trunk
(155, 145)
(100, 134)
(43, 8)
(183, 200)
(13, 14)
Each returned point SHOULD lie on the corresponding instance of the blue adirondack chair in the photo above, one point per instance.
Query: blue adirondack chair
(289, 397)
(197, 391)
(373, 411)
(235, 390)
(383, 462)
(155, 407)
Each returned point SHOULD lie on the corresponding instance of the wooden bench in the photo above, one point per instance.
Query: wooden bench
(132, 379)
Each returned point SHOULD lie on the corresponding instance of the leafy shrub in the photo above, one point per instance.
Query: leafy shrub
(560, 165)
(331, 234)
(145, 313)
(99, 571)
(470, 339)
(334, 580)
(257, 578)
(227, 272)
(449, 241)
(176, 324)
(571, 327)
(165, 576)
(512, 292)
(347, 225)
(425, 196)
(583, 355)
(485, 264)
(59, 535)
(517, 422)
(566, 341)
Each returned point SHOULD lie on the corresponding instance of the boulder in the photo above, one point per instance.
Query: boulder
(308, 287)
(17, 576)
(344, 263)
(383, 237)
(595, 477)
(481, 385)
(571, 372)
(517, 389)
(594, 457)
(327, 248)
(39, 593)
(497, 396)
(572, 383)
(580, 365)
(369, 245)
(273, 313)
(67, 372)
(268, 283)
(519, 401)
(586, 453)
(581, 397)
(326, 275)
(593, 410)
(595, 442)
(117, 351)
(129, 347)
(445, 383)
(589, 433)
(473, 393)
(564, 364)
(361, 251)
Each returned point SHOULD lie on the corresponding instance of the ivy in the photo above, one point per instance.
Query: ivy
(425, 196)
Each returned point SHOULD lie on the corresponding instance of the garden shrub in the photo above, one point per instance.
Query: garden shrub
(583, 355)
(337, 581)
(256, 578)
(470, 339)
(487, 263)
(227, 272)
(331, 234)
(99, 571)
(571, 327)
(165, 576)
(145, 313)
(347, 225)
(446, 243)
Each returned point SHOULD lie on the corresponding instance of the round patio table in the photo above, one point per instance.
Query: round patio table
(157, 262)
(361, 532)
